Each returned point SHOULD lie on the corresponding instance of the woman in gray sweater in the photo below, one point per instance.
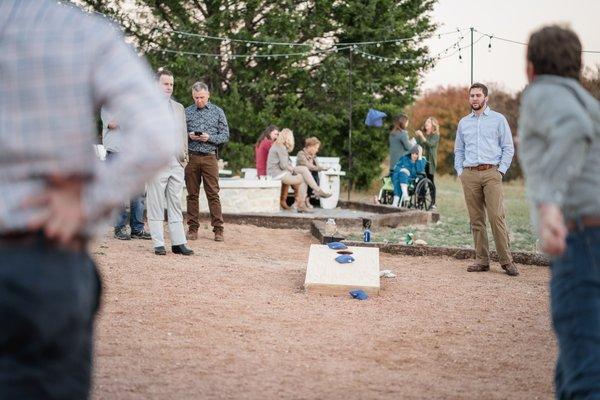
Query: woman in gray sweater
(280, 167)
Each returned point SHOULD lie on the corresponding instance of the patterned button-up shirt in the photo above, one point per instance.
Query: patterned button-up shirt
(483, 139)
(210, 119)
(57, 67)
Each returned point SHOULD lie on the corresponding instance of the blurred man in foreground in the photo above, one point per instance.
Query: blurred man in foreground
(559, 130)
(58, 66)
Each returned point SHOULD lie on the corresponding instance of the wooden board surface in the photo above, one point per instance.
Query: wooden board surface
(327, 276)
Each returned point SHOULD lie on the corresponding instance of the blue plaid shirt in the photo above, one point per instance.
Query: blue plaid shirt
(210, 119)
(58, 66)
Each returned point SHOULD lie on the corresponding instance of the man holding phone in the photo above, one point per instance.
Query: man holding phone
(207, 129)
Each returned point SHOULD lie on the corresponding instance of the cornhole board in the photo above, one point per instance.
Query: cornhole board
(326, 276)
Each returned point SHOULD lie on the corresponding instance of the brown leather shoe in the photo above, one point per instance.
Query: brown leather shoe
(302, 208)
(219, 236)
(192, 235)
(511, 269)
(283, 196)
(478, 268)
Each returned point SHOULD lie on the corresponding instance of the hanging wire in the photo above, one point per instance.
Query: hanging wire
(522, 43)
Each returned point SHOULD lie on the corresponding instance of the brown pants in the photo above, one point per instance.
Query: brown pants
(198, 169)
(483, 192)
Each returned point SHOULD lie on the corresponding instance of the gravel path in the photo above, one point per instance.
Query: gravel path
(232, 322)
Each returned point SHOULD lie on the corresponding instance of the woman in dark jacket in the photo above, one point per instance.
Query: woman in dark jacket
(399, 141)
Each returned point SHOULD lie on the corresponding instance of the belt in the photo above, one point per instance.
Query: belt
(591, 221)
(32, 237)
(482, 167)
(200, 153)
(12, 238)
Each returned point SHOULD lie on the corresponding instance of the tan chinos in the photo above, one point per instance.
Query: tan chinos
(483, 194)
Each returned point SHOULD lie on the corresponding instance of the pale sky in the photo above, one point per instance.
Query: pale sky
(511, 19)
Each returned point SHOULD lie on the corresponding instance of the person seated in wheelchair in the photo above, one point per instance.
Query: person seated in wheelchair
(406, 171)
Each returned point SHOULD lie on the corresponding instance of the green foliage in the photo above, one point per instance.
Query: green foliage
(310, 95)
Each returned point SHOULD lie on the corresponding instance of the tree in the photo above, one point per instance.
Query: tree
(309, 90)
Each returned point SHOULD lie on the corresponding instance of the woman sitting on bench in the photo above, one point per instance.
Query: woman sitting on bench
(308, 158)
(280, 167)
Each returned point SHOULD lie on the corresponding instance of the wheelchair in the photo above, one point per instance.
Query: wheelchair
(421, 192)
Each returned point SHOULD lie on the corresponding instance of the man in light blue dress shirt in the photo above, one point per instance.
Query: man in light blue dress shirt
(483, 151)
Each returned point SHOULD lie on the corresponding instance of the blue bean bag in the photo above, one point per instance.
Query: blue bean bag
(337, 246)
(359, 294)
(344, 259)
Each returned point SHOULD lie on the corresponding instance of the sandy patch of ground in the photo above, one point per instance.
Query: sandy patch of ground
(232, 322)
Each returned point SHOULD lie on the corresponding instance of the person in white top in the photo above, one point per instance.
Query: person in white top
(167, 187)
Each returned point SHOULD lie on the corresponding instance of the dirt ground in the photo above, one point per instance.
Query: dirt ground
(233, 322)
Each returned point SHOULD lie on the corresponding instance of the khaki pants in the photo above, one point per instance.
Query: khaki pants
(165, 191)
(483, 193)
(303, 178)
(203, 168)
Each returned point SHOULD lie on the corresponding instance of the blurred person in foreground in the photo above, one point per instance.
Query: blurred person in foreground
(166, 189)
(58, 66)
(559, 130)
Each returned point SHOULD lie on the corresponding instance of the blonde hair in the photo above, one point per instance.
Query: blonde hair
(312, 141)
(435, 126)
(286, 139)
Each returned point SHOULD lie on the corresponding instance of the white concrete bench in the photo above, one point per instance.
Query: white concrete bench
(239, 196)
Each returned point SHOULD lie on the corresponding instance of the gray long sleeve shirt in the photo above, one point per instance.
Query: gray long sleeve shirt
(559, 131)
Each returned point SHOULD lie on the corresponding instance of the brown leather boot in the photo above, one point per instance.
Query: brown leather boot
(478, 268)
(219, 235)
(283, 197)
(301, 202)
(511, 269)
(296, 189)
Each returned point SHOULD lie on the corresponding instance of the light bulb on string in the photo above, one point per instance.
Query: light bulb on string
(378, 44)
(248, 44)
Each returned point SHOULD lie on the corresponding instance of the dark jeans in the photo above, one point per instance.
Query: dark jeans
(431, 177)
(135, 216)
(48, 299)
(309, 190)
(203, 168)
(575, 301)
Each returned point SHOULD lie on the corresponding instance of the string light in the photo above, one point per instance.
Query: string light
(379, 43)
